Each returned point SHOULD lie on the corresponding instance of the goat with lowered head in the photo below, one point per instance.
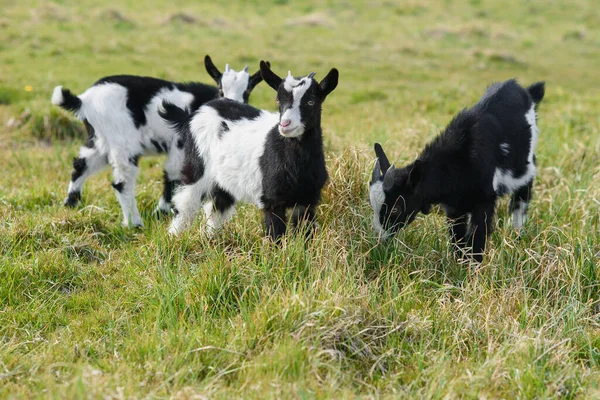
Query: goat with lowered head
(119, 114)
(237, 153)
(485, 152)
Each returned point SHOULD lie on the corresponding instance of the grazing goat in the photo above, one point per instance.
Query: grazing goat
(485, 152)
(235, 152)
(119, 114)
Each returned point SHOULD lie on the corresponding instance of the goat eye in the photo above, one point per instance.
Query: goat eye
(311, 103)
(277, 100)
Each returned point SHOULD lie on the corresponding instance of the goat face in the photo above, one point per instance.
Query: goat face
(393, 195)
(232, 84)
(299, 99)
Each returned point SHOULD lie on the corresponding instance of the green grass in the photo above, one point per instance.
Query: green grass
(90, 309)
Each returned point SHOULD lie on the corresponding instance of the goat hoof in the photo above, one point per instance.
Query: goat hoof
(72, 200)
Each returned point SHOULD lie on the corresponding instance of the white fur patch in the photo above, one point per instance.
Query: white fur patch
(519, 214)
(215, 219)
(234, 84)
(234, 159)
(377, 199)
(57, 96)
(504, 178)
(531, 117)
(290, 82)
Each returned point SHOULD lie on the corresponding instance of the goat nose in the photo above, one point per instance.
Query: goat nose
(285, 122)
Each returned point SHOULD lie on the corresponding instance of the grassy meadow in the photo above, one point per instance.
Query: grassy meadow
(91, 309)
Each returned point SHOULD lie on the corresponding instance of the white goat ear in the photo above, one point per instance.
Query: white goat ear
(226, 67)
(246, 68)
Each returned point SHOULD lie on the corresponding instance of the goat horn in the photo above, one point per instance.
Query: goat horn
(311, 75)
(226, 67)
(290, 74)
(246, 68)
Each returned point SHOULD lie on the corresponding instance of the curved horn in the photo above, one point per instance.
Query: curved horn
(384, 163)
(311, 75)
(246, 68)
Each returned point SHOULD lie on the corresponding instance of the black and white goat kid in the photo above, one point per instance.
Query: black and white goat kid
(120, 116)
(485, 152)
(235, 152)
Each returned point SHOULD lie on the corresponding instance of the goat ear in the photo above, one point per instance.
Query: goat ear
(329, 83)
(382, 160)
(256, 78)
(376, 174)
(415, 174)
(269, 76)
(390, 179)
(212, 70)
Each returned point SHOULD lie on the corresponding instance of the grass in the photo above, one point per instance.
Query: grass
(90, 309)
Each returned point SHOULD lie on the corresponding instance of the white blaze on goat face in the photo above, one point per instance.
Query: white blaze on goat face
(377, 199)
(504, 180)
(290, 111)
(234, 84)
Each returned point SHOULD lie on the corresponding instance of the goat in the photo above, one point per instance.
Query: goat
(119, 114)
(235, 152)
(485, 152)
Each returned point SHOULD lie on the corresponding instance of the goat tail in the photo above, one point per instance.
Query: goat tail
(537, 91)
(176, 117)
(65, 99)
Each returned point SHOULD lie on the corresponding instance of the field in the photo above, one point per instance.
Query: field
(91, 309)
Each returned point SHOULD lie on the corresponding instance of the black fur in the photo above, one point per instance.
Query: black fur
(233, 110)
(157, 146)
(457, 168)
(118, 186)
(223, 200)
(79, 167)
(169, 187)
(252, 82)
(213, 71)
(293, 170)
(141, 90)
(193, 165)
(72, 199)
(91, 134)
(70, 101)
(537, 91)
(224, 129)
(176, 117)
(135, 159)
